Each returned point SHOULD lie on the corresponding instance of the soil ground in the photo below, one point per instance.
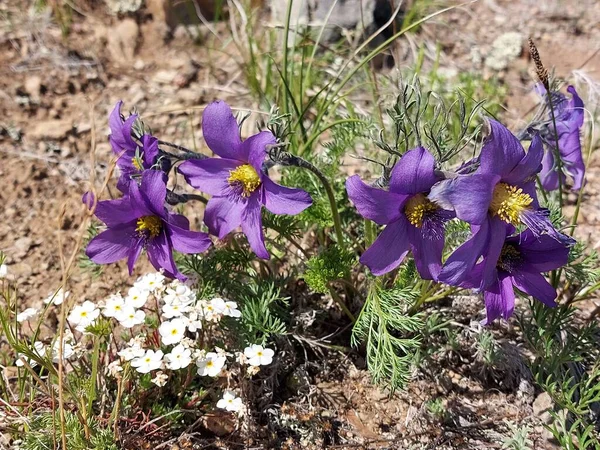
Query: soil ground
(56, 92)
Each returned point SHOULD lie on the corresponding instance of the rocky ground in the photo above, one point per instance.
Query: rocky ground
(55, 96)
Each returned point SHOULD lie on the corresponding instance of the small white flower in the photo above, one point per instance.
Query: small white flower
(179, 294)
(132, 352)
(179, 358)
(211, 365)
(150, 361)
(213, 310)
(114, 306)
(83, 315)
(172, 331)
(136, 297)
(114, 368)
(160, 379)
(130, 317)
(3, 270)
(230, 402)
(171, 310)
(56, 298)
(26, 314)
(188, 343)
(258, 355)
(38, 348)
(231, 310)
(193, 321)
(150, 282)
(67, 352)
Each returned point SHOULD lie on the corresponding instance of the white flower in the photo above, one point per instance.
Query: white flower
(179, 358)
(172, 331)
(38, 348)
(136, 297)
(114, 368)
(259, 356)
(26, 314)
(160, 379)
(213, 310)
(171, 310)
(83, 315)
(57, 297)
(150, 361)
(132, 352)
(130, 317)
(231, 310)
(187, 342)
(3, 270)
(150, 282)
(230, 402)
(211, 365)
(179, 294)
(67, 352)
(114, 306)
(193, 321)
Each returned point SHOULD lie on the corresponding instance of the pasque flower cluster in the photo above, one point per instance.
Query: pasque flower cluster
(237, 180)
(497, 195)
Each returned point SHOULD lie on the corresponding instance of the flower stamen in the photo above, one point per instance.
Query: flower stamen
(509, 258)
(508, 202)
(150, 224)
(246, 178)
(417, 208)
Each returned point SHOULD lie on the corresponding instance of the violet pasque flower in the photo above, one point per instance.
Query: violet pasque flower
(236, 181)
(500, 193)
(140, 221)
(133, 157)
(569, 120)
(522, 260)
(413, 222)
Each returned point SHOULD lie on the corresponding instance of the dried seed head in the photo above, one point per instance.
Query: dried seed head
(540, 70)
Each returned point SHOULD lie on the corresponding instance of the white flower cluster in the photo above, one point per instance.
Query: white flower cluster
(42, 350)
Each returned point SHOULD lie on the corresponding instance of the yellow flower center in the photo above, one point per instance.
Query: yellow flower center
(246, 177)
(174, 331)
(152, 224)
(508, 202)
(209, 364)
(83, 314)
(137, 163)
(416, 209)
(259, 353)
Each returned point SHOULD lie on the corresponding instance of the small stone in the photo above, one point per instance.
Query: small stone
(33, 86)
(542, 405)
(122, 41)
(51, 129)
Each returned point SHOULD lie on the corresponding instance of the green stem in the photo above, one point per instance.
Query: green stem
(93, 379)
(341, 303)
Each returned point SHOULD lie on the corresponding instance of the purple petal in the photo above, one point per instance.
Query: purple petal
(549, 174)
(375, 204)
(113, 244)
(539, 223)
(536, 285)
(414, 173)
(468, 195)
(252, 227)
(120, 132)
(209, 175)
(540, 254)
(116, 212)
(256, 148)
(160, 254)
(186, 241)
(572, 158)
(223, 215)
(389, 249)
(576, 108)
(497, 237)
(137, 245)
(221, 131)
(284, 200)
(499, 299)
(502, 151)
(529, 165)
(154, 190)
(150, 146)
(427, 252)
(88, 199)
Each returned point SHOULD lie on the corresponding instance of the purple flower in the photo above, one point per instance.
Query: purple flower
(522, 260)
(500, 193)
(133, 157)
(236, 181)
(569, 120)
(140, 221)
(413, 222)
